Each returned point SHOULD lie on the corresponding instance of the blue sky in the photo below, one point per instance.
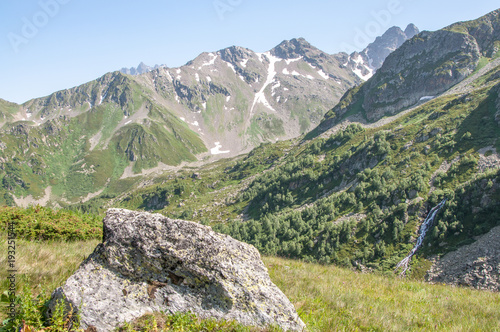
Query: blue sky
(50, 45)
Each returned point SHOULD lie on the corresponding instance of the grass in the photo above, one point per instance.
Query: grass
(327, 298)
(42, 265)
(187, 322)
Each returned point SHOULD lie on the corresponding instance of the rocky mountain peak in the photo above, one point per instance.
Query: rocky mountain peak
(293, 48)
(411, 31)
(384, 45)
(365, 63)
(234, 54)
(485, 30)
(140, 69)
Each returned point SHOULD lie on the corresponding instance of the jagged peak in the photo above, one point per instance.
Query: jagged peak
(142, 68)
(293, 48)
(234, 54)
(411, 30)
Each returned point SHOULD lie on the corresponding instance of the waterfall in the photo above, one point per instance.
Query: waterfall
(428, 222)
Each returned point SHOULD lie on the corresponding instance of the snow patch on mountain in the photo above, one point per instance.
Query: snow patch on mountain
(260, 97)
(319, 71)
(289, 61)
(230, 65)
(359, 73)
(217, 149)
(323, 74)
(361, 63)
(210, 62)
(103, 97)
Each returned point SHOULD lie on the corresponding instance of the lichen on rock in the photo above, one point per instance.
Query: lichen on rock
(148, 262)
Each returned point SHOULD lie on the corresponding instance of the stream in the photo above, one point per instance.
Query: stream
(426, 225)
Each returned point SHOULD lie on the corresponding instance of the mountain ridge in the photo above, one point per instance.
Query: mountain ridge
(423, 67)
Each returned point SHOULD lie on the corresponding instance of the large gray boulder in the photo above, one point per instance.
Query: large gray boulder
(148, 263)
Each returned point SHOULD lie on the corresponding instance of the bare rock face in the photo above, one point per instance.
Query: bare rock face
(148, 263)
(476, 265)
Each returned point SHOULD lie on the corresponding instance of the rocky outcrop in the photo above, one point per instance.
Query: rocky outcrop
(365, 63)
(486, 30)
(148, 263)
(476, 265)
(426, 65)
(384, 45)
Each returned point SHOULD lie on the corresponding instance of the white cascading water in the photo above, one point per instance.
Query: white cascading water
(405, 263)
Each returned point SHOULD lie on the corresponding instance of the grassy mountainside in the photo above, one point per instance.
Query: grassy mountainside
(7, 110)
(66, 153)
(355, 197)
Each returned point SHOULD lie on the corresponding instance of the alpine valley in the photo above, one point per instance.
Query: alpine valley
(303, 154)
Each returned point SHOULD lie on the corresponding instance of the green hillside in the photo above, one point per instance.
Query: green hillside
(357, 196)
(89, 151)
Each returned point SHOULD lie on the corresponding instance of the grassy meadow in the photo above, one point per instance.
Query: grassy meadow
(326, 297)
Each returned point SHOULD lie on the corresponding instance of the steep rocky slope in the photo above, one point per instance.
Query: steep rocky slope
(367, 62)
(423, 67)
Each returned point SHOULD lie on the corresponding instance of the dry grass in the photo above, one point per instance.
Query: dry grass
(333, 299)
(327, 298)
(43, 264)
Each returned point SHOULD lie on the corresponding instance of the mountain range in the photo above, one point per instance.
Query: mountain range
(330, 158)
(220, 104)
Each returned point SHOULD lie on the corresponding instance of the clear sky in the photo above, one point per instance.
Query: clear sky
(50, 45)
